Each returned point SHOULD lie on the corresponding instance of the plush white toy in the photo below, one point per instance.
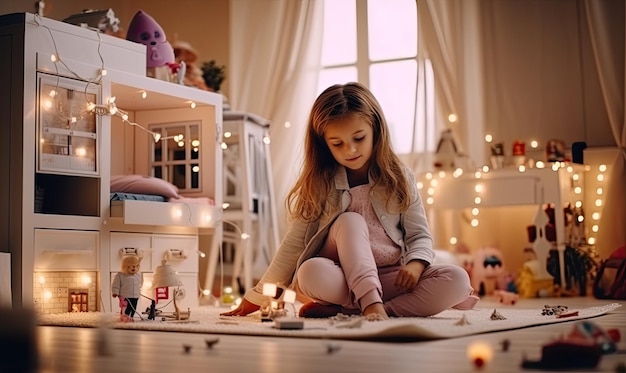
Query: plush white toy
(446, 153)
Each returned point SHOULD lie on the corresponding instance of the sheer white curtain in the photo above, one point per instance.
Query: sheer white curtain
(611, 69)
(275, 63)
(449, 35)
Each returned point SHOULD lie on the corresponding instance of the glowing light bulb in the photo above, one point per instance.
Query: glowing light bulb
(453, 240)
(479, 353)
(488, 138)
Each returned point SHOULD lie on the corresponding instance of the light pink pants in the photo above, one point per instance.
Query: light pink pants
(345, 273)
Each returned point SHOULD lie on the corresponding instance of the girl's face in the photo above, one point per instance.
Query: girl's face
(350, 141)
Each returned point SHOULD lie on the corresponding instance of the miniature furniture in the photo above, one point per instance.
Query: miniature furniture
(67, 127)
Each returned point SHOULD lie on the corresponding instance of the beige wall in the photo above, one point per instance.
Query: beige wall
(202, 23)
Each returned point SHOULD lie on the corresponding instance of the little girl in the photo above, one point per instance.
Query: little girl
(360, 241)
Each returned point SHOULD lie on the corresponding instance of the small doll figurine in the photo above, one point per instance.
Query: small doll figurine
(127, 286)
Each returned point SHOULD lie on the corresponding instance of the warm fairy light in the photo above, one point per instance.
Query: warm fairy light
(227, 134)
(195, 143)
(595, 228)
(457, 173)
(428, 176)
(570, 169)
(474, 223)
(478, 188)
(431, 191)
(540, 164)
(578, 190)
(269, 289)
(47, 294)
(103, 72)
(81, 152)
(225, 205)
(600, 177)
(442, 174)
(453, 240)
(479, 353)
(602, 168)
(430, 200)
(192, 105)
(266, 140)
(578, 204)
(195, 169)
(521, 168)
(452, 118)
(144, 94)
(245, 236)
(434, 183)
(591, 240)
(477, 200)
(598, 202)
(478, 175)
(595, 216)
(555, 166)
(419, 185)
(54, 58)
(475, 211)
(576, 177)
(287, 124)
(206, 292)
(42, 280)
(289, 296)
(224, 146)
(534, 144)
(485, 168)
(488, 138)
(599, 191)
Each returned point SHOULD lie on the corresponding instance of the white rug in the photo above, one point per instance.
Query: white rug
(443, 325)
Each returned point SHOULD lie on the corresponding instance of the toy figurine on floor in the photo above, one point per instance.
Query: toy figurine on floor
(127, 286)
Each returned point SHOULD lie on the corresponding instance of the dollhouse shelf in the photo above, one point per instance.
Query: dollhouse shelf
(166, 213)
(510, 187)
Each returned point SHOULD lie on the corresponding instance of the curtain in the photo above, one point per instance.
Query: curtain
(449, 35)
(275, 63)
(611, 69)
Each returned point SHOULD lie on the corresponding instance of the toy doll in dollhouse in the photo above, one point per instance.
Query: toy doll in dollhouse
(127, 286)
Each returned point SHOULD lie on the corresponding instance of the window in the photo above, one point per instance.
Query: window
(176, 158)
(375, 42)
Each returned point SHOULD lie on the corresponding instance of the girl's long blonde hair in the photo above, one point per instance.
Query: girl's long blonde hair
(307, 197)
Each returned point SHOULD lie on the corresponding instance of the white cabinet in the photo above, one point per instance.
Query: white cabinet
(66, 250)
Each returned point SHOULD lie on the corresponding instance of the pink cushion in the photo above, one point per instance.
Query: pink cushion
(143, 185)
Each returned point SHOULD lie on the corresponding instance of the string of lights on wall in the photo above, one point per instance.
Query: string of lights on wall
(428, 183)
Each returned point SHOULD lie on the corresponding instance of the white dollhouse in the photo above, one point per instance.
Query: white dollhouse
(77, 109)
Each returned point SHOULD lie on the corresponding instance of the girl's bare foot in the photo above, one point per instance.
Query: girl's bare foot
(375, 312)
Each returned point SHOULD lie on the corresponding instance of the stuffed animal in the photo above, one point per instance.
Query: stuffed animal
(159, 54)
(446, 153)
(488, 272)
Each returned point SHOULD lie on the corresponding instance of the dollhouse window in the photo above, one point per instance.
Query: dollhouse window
(176, 158)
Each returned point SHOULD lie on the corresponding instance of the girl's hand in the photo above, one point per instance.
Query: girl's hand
(409, 275)
(244, 308)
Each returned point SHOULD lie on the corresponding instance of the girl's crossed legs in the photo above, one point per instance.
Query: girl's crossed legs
(345, 274)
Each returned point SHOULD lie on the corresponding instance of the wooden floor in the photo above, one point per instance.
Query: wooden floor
(66, 350)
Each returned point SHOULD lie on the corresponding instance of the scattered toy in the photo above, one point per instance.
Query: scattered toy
(582, 348)
(505, 344)
(553, 310)
(495, 315)
(462, 321)
(211, 342)
(506, 297)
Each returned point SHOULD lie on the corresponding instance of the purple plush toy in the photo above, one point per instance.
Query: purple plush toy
(145, 30)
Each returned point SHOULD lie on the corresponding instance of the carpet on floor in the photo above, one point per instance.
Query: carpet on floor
(447, 324)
